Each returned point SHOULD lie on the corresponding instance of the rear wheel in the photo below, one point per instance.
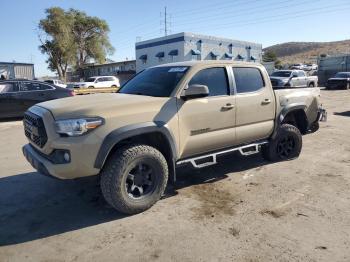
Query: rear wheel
(285, 146)
(311, 85)
(90, 87)
(114, 86)
(134, 178)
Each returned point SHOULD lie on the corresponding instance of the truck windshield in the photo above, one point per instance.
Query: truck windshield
(156, 81)
(281, 73)
(342, 75)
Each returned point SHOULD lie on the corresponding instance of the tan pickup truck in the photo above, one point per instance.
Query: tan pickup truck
(169, 115)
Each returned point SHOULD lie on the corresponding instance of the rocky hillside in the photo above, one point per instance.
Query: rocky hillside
(304, 52)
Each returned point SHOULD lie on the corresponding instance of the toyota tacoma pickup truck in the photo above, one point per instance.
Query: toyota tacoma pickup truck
(292, 78)
(167, 116)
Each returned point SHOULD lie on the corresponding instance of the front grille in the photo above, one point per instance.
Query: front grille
(34, 129)
(337, 83)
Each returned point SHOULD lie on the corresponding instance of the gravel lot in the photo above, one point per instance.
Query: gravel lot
(243, 209)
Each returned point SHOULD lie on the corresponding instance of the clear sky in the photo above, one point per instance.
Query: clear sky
(263, 21)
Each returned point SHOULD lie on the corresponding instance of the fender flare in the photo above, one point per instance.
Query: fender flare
(284, 112)
(129, 131)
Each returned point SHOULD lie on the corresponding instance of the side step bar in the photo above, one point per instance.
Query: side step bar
(210, 159)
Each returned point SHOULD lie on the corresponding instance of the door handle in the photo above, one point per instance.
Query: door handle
(266, 101)
(227, 107)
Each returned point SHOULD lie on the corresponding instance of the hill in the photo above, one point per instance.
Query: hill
(305, 52)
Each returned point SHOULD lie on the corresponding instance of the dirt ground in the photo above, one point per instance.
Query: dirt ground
(243, 209)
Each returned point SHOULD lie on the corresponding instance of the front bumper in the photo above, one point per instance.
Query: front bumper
(35, 159)
(46, 166)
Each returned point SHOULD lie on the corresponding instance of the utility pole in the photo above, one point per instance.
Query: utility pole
(166, 21)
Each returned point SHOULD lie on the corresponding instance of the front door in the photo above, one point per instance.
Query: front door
(207, 124)
(255, 103)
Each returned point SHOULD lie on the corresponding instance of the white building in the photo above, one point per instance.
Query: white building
(189, 46)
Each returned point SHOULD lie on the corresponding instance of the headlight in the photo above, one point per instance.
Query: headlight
(77, 127)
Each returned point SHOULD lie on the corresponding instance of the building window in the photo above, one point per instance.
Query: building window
(160, 56)
(214, 55)
(173, 55)
(143, 59)
(230, 48)
(195, 54)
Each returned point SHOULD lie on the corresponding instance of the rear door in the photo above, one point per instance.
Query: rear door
(32, 93)
(302, 79)
(255, 103)
(101, 82)
(9, 99)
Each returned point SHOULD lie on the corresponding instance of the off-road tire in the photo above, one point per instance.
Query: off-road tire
(270, 151)
(115, 172)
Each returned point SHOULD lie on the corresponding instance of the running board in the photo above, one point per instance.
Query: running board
(210, 159)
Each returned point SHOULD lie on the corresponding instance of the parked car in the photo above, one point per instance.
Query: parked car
(341, 80)
(16, 96)
(164, 117)
(56, 82)
(99, 82)
(297, 66)
(310, 67)
(292, 78)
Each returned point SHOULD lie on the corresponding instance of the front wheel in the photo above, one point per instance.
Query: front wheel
(286, 145)
(134, 178)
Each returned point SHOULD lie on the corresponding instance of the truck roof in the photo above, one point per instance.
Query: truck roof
(211, 62)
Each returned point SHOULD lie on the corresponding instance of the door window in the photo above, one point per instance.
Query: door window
(33, 86)
(301, 74)
(214, 78)
(8, 88)
(248, 79)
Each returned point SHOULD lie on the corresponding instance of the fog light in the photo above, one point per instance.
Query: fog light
(66, 157)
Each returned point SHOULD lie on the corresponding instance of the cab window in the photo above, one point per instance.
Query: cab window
(214, 78)
(301, 74)
(248, 79)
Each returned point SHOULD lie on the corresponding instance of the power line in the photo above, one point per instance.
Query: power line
(245, 11)
(282, 17)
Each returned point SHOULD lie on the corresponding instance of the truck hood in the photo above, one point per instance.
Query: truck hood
(104, 105)
(337, 79)
(278, 78)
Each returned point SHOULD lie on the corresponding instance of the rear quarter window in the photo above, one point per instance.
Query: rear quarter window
(248, 79)
(8, 87)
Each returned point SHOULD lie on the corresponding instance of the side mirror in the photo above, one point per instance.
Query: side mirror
(195, 91)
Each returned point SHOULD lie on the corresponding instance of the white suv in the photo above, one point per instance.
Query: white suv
(56, 82)
(99, 82)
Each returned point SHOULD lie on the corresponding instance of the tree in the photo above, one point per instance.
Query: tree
(56, 40)
(71, 37)
(90, 35)
(270, 56)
